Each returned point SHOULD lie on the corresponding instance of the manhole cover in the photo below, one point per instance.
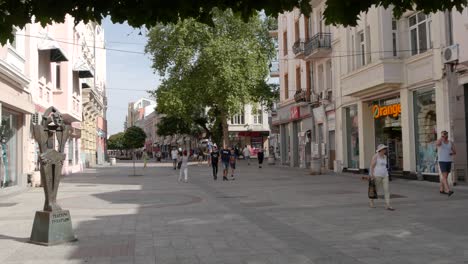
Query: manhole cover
(7, 204)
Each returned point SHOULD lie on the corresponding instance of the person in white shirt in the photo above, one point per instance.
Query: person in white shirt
(174, 154)
(246, 154)
(379, 173)
(184, 167)
(445, 152)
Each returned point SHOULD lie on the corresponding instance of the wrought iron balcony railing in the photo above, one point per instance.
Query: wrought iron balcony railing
(319, 40)
(298, 47)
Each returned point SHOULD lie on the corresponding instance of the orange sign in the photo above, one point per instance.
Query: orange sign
(386, 110)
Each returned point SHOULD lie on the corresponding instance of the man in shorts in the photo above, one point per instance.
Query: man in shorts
(445, 152)
(225, 156)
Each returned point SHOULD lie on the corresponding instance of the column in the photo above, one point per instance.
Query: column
(366, 135)
(407, 131)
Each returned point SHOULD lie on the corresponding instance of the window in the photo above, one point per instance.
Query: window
(286, 86)
(238, 119)
(420, 33)
(368, 46)
(57, 76)
(298, 79)
(70, 151)
(306, 27)
(257, 114)
(285, 43)
(320, 78)
(394, 38)
(296, 30)
(362, 49)
(13, 41)
(310, 26)
(329, 75)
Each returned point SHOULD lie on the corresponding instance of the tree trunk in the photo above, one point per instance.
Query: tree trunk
(225, 126)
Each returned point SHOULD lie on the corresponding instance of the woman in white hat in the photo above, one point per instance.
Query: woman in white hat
(379, 173)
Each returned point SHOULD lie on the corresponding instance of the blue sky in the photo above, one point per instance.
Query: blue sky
(128, 71)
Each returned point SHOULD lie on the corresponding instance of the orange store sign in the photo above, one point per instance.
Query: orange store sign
(386, 110)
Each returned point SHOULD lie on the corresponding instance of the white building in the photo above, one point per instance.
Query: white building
(383, 81)
(250, 128)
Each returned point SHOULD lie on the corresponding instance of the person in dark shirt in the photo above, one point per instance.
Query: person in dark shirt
(214, 160)
(225, 156)
(260, 156)
(232, 162)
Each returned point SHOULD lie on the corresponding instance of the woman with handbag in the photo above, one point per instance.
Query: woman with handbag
(379, 174)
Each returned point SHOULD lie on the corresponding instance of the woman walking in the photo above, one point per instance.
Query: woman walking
(184, 167)
(379, 173)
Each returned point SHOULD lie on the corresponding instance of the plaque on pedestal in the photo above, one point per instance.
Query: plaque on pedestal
(51, 228)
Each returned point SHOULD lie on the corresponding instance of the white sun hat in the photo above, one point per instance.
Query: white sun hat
(380, 147)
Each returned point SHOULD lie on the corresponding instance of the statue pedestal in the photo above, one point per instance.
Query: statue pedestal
(52, 228)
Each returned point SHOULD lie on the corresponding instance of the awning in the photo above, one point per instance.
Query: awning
(48, 43)
(83, 69)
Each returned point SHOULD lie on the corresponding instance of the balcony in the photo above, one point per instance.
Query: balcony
(298, 48)
(380, 77)
(318, 46)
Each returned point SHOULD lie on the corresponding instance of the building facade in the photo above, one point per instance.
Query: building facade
(305, 116)
(460, 94)
(385, 81)
(42, 67)
(250, 128)
(16, 107)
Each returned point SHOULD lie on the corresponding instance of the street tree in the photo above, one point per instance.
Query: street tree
(116, 142)
(134, 138)
(149, 12)
(220, 68)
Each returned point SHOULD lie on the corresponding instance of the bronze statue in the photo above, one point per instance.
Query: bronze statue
(51, 157)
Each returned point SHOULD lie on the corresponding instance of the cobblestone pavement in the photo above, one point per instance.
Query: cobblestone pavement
(273, 215)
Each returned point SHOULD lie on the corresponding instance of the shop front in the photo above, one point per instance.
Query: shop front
(425, 131)
(388, 130)
(254, 139)
(351, 137)
(9, 146)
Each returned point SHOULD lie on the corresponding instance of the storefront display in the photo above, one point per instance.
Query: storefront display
(388, 130)
(352, 136)
(8, 149)
(425, 130)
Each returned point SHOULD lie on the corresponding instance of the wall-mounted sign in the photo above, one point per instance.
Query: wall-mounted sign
(393, 110)
(295, 112)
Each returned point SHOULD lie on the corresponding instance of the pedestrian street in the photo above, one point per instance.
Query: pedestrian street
(269, 215)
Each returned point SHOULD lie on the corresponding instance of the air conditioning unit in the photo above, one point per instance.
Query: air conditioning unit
(450, 54)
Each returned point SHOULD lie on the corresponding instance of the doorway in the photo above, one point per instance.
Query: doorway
(388, 132)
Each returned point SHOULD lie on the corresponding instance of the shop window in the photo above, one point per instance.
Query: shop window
(70, 151)
(425, 131)
(420, 33)
(8, 148)
(352, 136)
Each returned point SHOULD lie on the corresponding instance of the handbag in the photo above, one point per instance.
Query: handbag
(179, 165)
(372, 191)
